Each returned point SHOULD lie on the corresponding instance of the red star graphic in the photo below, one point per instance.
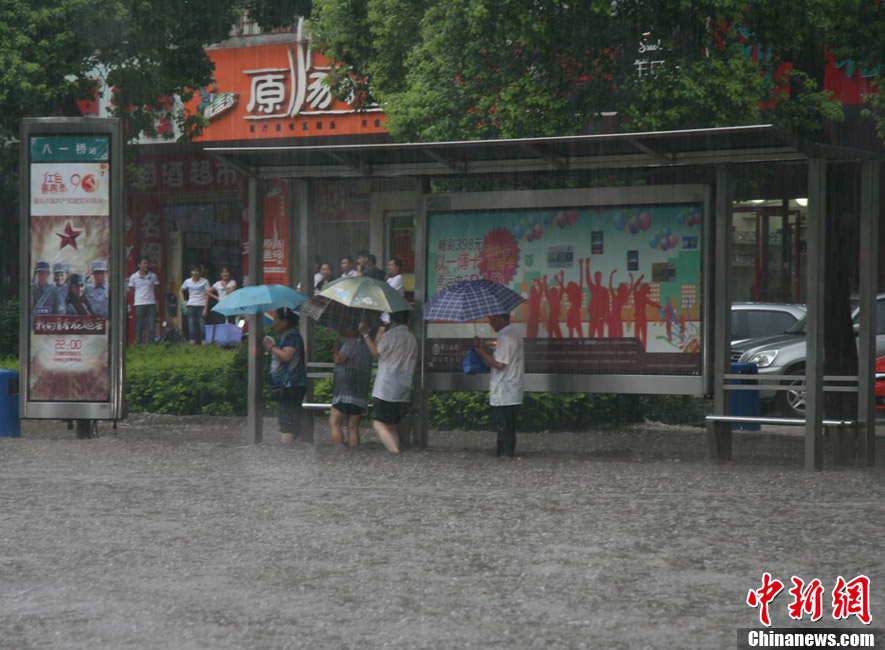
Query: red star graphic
(69, 237)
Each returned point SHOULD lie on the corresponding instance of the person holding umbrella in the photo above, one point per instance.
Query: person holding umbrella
(397, 352)
(506, 387)
(350, 387)
(288, 372)
(471, 300)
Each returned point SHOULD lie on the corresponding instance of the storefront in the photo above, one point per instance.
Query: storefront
(187, 207)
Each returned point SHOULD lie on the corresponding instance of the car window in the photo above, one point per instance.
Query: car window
(798, 327)
(738, 325)
(880, 316)
(768, 323)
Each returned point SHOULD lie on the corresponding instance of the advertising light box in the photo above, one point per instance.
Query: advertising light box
(71, 321)
(613, 282)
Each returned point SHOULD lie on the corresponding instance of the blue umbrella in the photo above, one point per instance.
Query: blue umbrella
(471, 300)
(259, 299)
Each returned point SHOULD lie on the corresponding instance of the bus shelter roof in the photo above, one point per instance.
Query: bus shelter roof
(728, 145)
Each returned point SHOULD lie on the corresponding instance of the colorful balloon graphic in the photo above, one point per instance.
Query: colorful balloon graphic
(634, 225)
(645, 220)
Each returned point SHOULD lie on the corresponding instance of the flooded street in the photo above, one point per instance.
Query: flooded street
(172, 533)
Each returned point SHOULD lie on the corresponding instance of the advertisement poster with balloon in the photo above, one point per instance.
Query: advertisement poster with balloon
(607, 289)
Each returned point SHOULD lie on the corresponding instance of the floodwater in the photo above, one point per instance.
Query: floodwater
(173, 533)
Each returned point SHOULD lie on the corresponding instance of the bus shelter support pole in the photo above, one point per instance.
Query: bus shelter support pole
(719, 433)
(422, 419)
(255, 399)
(869, 273)
(306, 247)
(814, 364)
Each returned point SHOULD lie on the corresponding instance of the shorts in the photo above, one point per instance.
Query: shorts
(389, 412)
(348, 409)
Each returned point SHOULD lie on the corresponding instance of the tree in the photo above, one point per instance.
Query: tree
(148, 52)
(476, 69)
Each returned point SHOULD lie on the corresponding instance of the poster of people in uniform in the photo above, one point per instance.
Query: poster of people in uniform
(70, 246)
(613, 289)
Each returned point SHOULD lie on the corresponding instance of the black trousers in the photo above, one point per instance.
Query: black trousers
(504, 418)
(290, 410)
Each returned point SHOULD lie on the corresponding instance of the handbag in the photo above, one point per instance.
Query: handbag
(276, 393)
(473, 364)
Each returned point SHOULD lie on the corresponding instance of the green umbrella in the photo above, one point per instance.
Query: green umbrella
(336, 316)
(365, 293)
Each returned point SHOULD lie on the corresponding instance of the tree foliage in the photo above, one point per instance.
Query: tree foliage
(147, 51)
(452, 69)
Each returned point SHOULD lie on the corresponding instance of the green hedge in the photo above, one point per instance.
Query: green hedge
(212, 380)
(186, 379)
(565, 411)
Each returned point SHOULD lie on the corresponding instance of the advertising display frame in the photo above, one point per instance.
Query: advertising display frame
(599, 199)
(96, 200)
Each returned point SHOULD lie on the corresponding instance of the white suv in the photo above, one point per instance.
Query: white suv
(784, 354)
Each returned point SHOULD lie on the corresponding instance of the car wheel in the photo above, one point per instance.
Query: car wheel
(791, 403)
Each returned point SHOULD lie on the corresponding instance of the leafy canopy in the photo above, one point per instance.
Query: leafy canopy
(146, 50)
(451, 69)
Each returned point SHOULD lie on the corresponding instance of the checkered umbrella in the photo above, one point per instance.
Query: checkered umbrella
(471, 300)
(334, 315)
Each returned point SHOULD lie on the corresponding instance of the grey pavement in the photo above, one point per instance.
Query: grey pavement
(173, 533)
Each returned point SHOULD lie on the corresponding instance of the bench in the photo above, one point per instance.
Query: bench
(795, 422)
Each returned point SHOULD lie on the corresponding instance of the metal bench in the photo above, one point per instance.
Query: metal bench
(795, 422)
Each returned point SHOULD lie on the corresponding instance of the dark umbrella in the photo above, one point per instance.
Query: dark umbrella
(334, 315)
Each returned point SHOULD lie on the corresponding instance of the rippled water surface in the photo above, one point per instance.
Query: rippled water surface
(173, 533)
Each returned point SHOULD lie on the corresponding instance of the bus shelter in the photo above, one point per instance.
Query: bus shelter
(653, 211)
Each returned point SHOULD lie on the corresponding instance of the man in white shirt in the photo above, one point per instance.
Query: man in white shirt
(143, 283)
(397, 352)
(197, 304)
(395, 274)
(506, 384)
(347, 269)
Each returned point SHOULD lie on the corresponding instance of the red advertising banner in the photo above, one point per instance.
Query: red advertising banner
(276, 235)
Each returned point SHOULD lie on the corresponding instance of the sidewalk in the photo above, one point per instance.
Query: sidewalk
(173, 533)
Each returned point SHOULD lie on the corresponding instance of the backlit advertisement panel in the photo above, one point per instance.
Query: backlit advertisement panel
(69, 318)
(611, 288)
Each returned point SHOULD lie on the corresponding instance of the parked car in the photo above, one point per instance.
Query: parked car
(784, 354)
(752, 320)
(880, 383)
